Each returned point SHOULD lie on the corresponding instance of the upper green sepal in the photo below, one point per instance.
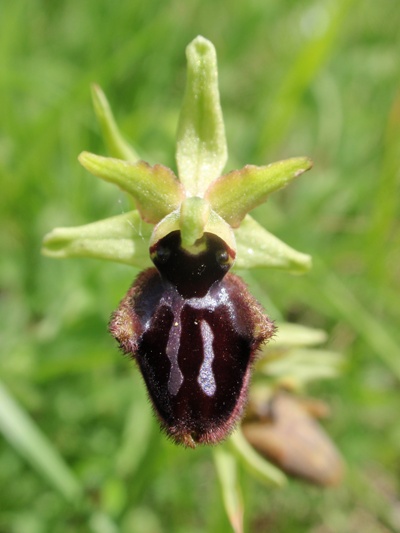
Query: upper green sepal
(235, 194)
(156, 189)
(201, 151)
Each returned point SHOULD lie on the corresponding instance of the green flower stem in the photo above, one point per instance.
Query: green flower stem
(156, 189)
(201, 144)
(233, 195)
(227, 470)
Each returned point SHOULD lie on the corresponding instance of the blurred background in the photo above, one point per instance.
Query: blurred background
(317, 78)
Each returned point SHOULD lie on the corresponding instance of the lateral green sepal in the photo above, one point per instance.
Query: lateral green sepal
(123, 238)
(257, 247)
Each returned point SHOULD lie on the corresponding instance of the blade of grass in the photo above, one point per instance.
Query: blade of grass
(310, 59)
(372, 330)
(137, 417)
(386, 198)
(25, 436)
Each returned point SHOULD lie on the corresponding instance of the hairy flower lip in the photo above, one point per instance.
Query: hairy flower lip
(195, 354)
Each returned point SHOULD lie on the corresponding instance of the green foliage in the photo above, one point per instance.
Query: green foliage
(296, 78)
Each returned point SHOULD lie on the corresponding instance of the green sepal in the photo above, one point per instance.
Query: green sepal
(123, 238)
(156, 189)
(256, 248)
(233, 195)
(194, 215)
(201, 144)
(114, 141)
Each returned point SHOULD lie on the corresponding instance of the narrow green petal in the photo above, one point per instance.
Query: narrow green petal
(156, 189)
(201, 144)
(114, 141)
(233, 195)
(27, 438)
(226, 466)
(136, 417)
(123, 239)
(256, 247)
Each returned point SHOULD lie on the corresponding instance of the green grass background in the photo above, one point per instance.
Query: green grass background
(317, 78)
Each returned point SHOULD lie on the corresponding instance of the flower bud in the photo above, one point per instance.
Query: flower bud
(284, 433)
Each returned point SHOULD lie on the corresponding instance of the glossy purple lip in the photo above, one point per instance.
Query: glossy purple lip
(193, 330)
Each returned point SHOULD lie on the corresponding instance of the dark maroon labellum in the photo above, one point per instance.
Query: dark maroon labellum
(193, 330)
